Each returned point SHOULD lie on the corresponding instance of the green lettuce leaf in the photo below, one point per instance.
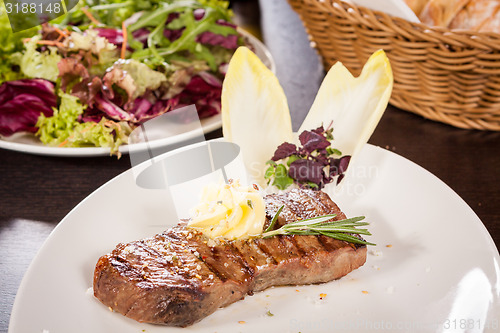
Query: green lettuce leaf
(10, 45)
(36, 64)
(143, 77)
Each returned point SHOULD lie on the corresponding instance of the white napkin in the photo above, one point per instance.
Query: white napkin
(396, 8)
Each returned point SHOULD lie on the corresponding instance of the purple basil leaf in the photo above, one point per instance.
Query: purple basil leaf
(312, 141)
(344, 163)
(284, 150)
(22, 102)
(339, 165)
(322, 158)
(320, 130)
(306, 171)
(334, 167)
(327, 179)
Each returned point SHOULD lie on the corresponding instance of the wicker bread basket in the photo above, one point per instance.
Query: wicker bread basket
(448, 76)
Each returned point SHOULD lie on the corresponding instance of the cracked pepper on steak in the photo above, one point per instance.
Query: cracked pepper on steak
(179, 277)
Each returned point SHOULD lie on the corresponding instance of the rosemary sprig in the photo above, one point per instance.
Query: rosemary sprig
(274, 219)
(322, 225)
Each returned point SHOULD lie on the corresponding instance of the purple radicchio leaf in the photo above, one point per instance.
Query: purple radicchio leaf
(228, 42)
(307, 171)
(172, 35)
(226, 23)
(141, 35)
(22, 102)
(91, 114)
(111, 110)
(114, 36)
(140, 108)
(211, 79)
(199, 13)
(144, 109)
(207, 107)
(71, 71)
(284, 150)
(204, 91)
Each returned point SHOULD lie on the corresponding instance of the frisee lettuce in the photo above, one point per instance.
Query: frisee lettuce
(64, 130)
(36, 64)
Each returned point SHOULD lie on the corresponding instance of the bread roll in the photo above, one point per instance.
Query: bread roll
(416, 5)
(441, 12)
(492, 24)
(477, 15)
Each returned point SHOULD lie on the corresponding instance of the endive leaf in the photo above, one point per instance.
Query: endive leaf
(255, 112)
(355, 105)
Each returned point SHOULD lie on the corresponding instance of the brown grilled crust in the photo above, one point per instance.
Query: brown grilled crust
(179, 277)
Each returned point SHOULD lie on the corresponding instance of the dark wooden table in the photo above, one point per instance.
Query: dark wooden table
(38, 191)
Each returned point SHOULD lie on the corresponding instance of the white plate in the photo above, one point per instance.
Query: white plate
(440, 273)
(29, 143)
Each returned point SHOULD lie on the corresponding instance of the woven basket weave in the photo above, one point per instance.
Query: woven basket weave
(448, 76)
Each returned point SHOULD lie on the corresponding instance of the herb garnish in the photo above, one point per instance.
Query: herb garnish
(313, 165)
(274, 219)
(322, 225)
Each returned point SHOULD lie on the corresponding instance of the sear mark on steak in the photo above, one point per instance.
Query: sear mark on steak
(179, 277)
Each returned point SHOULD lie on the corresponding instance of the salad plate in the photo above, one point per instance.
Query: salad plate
(29, 143)
(435, 268)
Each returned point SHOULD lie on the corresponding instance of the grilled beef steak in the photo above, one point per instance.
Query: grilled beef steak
(179, 276)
